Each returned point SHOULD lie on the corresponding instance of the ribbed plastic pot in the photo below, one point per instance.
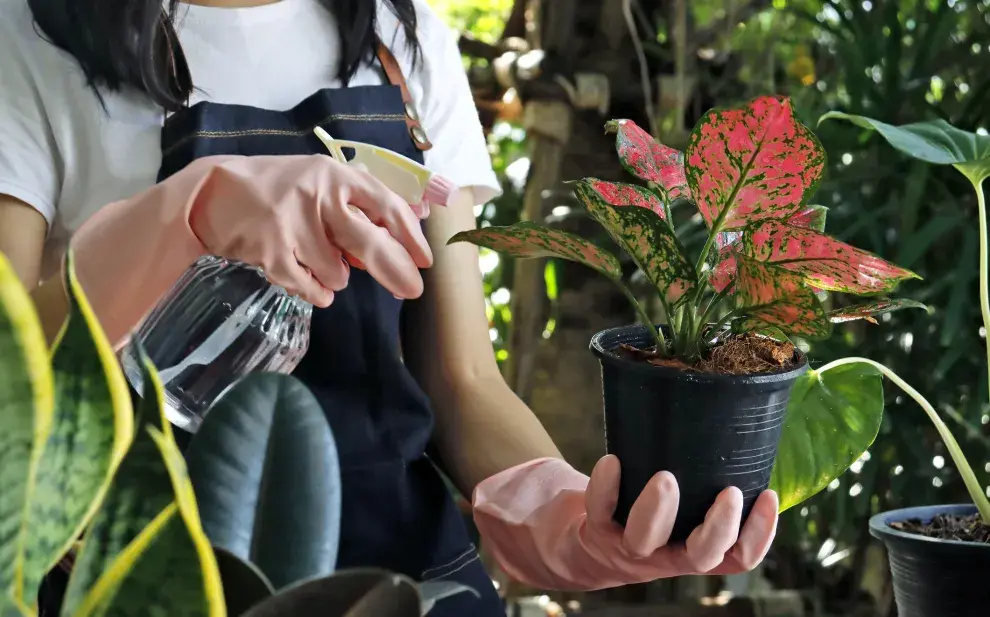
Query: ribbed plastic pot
(932, 577)
(710, 431)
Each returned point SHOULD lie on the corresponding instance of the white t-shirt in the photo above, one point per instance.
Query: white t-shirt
(62, 154)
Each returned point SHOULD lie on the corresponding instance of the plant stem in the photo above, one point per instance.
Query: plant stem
(724, 320)
(980, 499)
(643, 317)
(984, 300)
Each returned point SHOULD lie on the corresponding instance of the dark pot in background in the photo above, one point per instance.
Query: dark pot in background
(935, 578)
(711, 431)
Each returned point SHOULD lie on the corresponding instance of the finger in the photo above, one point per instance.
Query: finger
(324, 261)
(388, 210)
(383, 257)
(709, 542)
(756, 536)
(651, 518)
(297, 280)
(421, 210)
(354, 261)
(602, 494)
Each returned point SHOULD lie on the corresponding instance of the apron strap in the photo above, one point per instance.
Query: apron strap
(395, 77)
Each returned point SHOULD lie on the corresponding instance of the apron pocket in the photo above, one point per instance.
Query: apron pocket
(458, 562)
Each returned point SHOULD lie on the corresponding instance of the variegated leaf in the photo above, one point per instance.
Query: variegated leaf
(824, 262)
(645, 158)
(812, 217)
(724, 272)
(648, 240)
(621, 194)
(773, 296)
(869, 310)
(526, 239)
(753, 163)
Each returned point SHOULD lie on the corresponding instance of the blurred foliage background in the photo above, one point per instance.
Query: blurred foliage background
(895, 60)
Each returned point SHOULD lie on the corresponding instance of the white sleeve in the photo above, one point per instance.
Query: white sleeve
(29, 168)
(449, 116)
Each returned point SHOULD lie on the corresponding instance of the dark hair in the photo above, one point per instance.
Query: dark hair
(132, 43)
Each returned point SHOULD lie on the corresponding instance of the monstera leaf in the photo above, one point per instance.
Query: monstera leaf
(869, 310)
(648, 160)
(146, 525)
(526, 240)
(822, 261)
(772, 296)
(65, 426)
(647, 239)
(754, 163)
(266, 476)
(832, 418)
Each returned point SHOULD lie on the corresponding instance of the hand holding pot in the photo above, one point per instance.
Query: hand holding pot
(550, 526)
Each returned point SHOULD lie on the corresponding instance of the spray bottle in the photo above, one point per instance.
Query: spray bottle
(223, 320)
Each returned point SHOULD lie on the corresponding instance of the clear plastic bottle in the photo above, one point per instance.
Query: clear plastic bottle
(221, 321)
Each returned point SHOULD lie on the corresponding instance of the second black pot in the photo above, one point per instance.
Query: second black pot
(710, 431)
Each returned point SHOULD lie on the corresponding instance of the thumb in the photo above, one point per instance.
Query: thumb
(602, 493)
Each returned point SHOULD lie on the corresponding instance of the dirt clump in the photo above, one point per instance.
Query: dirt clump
(745, 354)
(948, 527)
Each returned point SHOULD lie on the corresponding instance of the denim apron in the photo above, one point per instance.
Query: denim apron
(396, 513)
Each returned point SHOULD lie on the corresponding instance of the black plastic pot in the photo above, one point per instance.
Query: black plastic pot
(935, 578)
(711, 431)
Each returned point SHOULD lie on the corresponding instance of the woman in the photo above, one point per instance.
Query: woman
(148, 137)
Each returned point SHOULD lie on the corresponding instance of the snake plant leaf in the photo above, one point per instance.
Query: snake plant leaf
(752, 163)
(244, 585)
(92, 427)
(645, 158)
(812, 217)
(769, 295)
(832, 419)
(869, 310)
(362, 592)
(647, 239)
(26, 417)
(934, 141)
(527, 239)
(265, 471)
(823, 261)
(136, 558)
(622, 194)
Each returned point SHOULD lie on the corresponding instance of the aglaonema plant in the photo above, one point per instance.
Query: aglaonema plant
(766, 263)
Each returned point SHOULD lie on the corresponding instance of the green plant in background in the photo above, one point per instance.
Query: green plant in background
(87, 473)
(750, 171)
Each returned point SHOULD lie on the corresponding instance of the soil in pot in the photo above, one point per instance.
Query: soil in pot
(937, 568)
(713, 425)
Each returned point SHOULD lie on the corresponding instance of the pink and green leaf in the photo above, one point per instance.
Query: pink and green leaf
(647, 239)
(869, 310)
(645, 158)
(753, 163)
(526, 240)
(812, 217)
(769, 295)
(622, 194)
(823, 261)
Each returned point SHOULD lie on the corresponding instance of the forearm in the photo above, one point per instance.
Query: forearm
(52, 305)
(483, 428)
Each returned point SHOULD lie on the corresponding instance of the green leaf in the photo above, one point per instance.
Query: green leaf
(871, 309)
(265, 471)
(357, 593)
(647, 239)
(823, 261)
(832, 419)
(645, 158)
(752, 163)
(935, 141)
(26, 413)
(769, 295)
(93, 425)
(146, 552)
(244, 585)
(526, 240)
